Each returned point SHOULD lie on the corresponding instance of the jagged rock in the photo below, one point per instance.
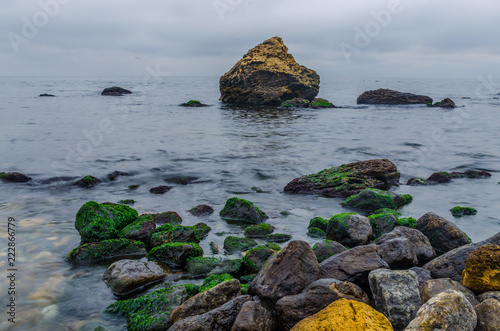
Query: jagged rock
(391, 97)
(443, 234)
(107, 250)
(420, 243)
(14, 177)
(221, 318)
(488, 315)
(125, 276)
(347, 179)
(237, 209)
(449, 310)
(326, 248)
(398, 253)
(445, 103)
(482, 269)
(396, 295)
(256, 257)
(115, 91)
(373, 199)
(267, 74)
(433, 287)
(286, 273)
(345, 314)
(349, 229)
(255, 316)
(318, 295)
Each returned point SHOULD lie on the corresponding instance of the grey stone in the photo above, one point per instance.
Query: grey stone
(489, 295)
(422, 274)
(255, 316)
(326, 248)
(421, 244)
(398, 253)
(433, 287)
(488, 315)
(349, 229)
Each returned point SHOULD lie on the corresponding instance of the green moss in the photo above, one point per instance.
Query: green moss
(258, 230)
(127, 202)
(338, 226)
(234, 244)
(247, 279)
(201, 265)
(107, 249)
(255, 258)
(277, 237)
(133, 187)
(242, 210)
(175, 254)
(406, 199)
(168, 233)
(387, 210)
(134, 228)
(409, 222)
(201, 230)
(191, 103)
(318, 222)
(275, 247)
(459, 211)
(322, 103)
(316, 233)
(244, 288)
(373, 199)
(214, 280)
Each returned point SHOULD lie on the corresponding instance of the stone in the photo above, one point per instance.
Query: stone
(371, 200)
(349, 229)
(171, 234)
(170, 217)
(175, 254)
(14, 177)
(416, 181)
(445, 103)
(489, 295)
(214, 247)
(201, 230)
(449, 310)
(318, 103)
(221, 318)
(421, 245)
(345, 314)
(347, 179)
(184, 180)
(87, 182)
(422, 275)
(488, 315)
(482, 269)
(160, 189)
(126, 276)
(459, 211)
(115, 91)
(433, 287)
(255, 316)
(258, 231)
(353, 265)
(396, 295)
(256, 257)
(115, 174)
(206, 301)
(443, 234)
(398, 253)
(201, 210)
(318, 295)
(46, 95)
(382, 223)
(234, 244)
(140, 230)
(277, 238)
(107, 250)
(286, 273)
(391, 97)
(268, 74)
(193, 103)
(296, 103)
(237, 209)
(326, 248)
(319, 223)
(201, 266)
(231, 266)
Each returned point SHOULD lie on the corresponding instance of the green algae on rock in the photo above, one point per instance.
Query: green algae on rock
(373, 199)
(234, 244)
(237, 209)
(87, 181)
(175, 254)
(107, 250)
(142, 229)
(321, 103)
(201, 266)
(258, 230)
(214, 280)
(256, 257)
(459, 211)
(193, 103)
(14, 177)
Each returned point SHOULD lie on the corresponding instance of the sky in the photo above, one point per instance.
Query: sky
(337, 38)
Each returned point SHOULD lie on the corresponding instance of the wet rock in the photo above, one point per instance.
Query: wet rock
(14, 177)
(46, 95)
(398, 253)
(258, 231)
(277, 238)
(489, 295)
(115, 174)
(97, 222)
(459, 211)
(175, 254)
(214, 248)
(373, 199)
(206, 301)
(391, 97)
(347, 179)
(488, 315)
(482, 269)
(255, 316)
(433, 287)
(201, 210)
(221, 318)
(316, 233)
(422, 274)
(318, 295)
(87, 182)
(446, 177)
(382, 223)
(237, 209)
(445, 103)
(201, 266)
(439, 177)
(449, 310)
(326, 248)
(296, 103)
(181, 180)
(193, 103)
(417, 181)
(171, 234)
(160, 189)
(443, 234)
(396, 295)
(107, 250)
(232, 267)
(256, 257)
(286, 273)
(201, 230)
(267, 74)
(345, 314)
(115, 91)
(421, 245)
(321, 103)
(349, 229)
(318, 222)
(140, 230)
(234, 244)
(353, 265)
(170, 217)
(125, 276)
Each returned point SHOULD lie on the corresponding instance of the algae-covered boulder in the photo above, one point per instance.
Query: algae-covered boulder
(278, 238)
(256, 257)
(141, 229)
(347, 179)
(97, 222)
(201, 230)
(87, 182)
(234, 244)
(459, 211)
(193, 103)
(107, 250)
(237, 209)
(170, 217)
(268, 74)
(170, 234)
(201, 266)
(345, 314)
(482, 269)
(373, 199)
(232, 267)
(258, 230)
(201, 210)
(349, 229)
(14, 177)
(175, 254)
(391, 97)
(321, 103)
(382, 223)
(326, 248)
(296, 103)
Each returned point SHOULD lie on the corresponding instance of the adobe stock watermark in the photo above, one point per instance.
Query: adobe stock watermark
(31, 26)
(371, 30)
(223, 6)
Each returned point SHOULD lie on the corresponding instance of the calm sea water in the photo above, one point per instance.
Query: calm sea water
(246, 152)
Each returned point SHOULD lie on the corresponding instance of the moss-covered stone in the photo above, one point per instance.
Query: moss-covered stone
(277, 237)
(316, 233)
(193, 103)
(234, 244)
(201, 266)
(258, 230)
(141, 229)
(275, 247)
(373, 199)
(169, 234)
(170, 217)
(237, 209)
(459, 211)
(214, 247)
(256, 257)
(417, 181)
(126, 202)
(175, 254)
(14, 177)
(349, 229)
(247, 279)
(231, 266)
(201, 230)
(214, 280)
(108, 250)
(409, 222)
(326, 248)
(382, 223)
(87, 181)
(296, 103)
(181, 180)
(318, 222)
(321, 103)
(482, 269)
(133, 187)
(201, 210)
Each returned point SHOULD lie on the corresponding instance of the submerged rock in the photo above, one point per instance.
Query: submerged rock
(445, 103)
(193, 103)
(482, 269)
(175, 254)
(321, 103)
(160, 189)
(46, 95)
(391, 97)
(267, 74)
(258, 231)
(459, 211)
(372, 199)
(115, 91)
(107, 250)
(441, 177)
(14, 177)
(201, 210)
(87, 182)
(347, 179)
(237, 209)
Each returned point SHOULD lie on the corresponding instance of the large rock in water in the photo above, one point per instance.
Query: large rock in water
(391, 97)
(347, 179)
(267, 74)
(482, 269)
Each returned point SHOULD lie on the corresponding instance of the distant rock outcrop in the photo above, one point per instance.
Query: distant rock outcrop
(267, 74)
(115, 91)
(445, 103)
(391, 97)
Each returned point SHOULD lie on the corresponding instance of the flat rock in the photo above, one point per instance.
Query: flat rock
(391, 97)
(433, 287)
(482, 269)
(107, 250)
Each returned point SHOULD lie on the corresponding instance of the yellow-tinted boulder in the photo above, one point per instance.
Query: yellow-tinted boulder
(482, 269)
(345, 315)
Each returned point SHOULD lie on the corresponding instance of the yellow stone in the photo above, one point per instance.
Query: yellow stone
(482, 269)
(345, 315)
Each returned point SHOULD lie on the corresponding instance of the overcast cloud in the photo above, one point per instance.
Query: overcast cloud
(419, 38)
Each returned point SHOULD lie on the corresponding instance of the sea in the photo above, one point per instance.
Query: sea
(233, 151)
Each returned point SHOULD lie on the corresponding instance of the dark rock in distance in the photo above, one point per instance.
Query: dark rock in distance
(115, 91)
(391, 97)
(181, 180)
(445, 103)
(201, 210)
(160, 189)
(267, 74)
(193, 103)
(115, 174)
(170, 217)
(87, 182)
(14, 177)
(46, 95)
